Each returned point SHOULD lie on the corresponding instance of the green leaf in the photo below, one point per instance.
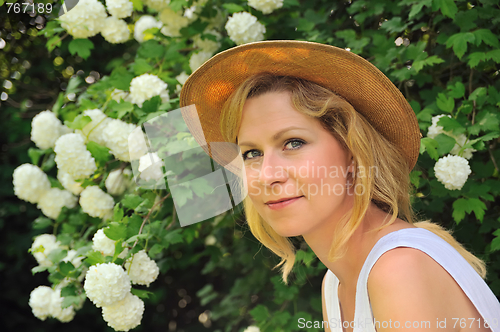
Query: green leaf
(462, 206)
(495, 244)
(99, 152)
(58, 104)
(57, 255)
(481, 91)
(174, 237)
(459, 42)
(141, 66)
(475, 58)
(456, 91)
(131, 201)
(305, 25)
(94, 257)
(35, 155)
(118, 213)
(450, 124)
(487, 37)
(79, 122)
(151, 105)
(69, 290)
(38, 268)
(395, 24)
(116, 231)
(233, 8)
(53, 42)
(494, 55)
(143, 294)
(446, 104)
(430, 146)
(120, 78)
(459, 207)
(151, 49)
(137, 5)
(445, 143)
(81, 47)
(123, 108)
(417, 7)
(65, 268)
(260, 313)
(70, 300)
(448, 7)
(41, 222)
(155, 249)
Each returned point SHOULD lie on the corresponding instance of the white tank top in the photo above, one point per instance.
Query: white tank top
(442, 252)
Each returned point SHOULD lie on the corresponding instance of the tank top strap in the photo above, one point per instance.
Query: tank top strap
(443, 253)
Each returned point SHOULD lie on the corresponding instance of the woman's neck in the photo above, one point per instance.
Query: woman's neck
(348, 267)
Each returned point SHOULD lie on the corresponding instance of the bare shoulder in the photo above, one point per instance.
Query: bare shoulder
(406, 284)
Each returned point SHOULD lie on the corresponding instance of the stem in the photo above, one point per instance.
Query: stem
(470, 92)
(147, 217)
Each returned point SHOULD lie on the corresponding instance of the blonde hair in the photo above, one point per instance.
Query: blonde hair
(389, 190)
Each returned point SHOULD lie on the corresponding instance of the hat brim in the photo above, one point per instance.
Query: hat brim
(359, 82)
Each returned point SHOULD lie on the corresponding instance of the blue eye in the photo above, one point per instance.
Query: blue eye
(289, 142)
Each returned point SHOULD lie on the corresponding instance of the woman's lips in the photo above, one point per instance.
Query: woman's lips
(282, 204)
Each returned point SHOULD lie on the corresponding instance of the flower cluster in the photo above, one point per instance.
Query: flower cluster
(96, 203)
(73, 157)
(46, 302)
(120, 8)
(115, 30)
(30, 183)
(461, 139)
(266, 6)
(46, 129)
(85, 20)
(173, 22)
(142, 269)
(452, 171)
(144, 23)
(108, 286)
(244, 28)
(145, 87)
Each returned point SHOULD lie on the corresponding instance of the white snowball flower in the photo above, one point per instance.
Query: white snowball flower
(252, 329)
(435, 130)
(42, 246)
(125, 314)
(141, 269)
(206, 44)
(85, 19)
(93, 131)
(173, 21)
(150, 166)
(116, 138)
(199, 58)
(54, 199)
(120, 8)
(105, 284)
(145, 87)
(46, 128)
(73, 157)
(244, 28)
(40, 301)
(137, 144)
(30, 182)
(69, 183)
(118, 181)
(64, 315)
(118, 95)
(265, 6)
(115, 30)
(71, 257)
(96, 203)
(452, 171)
(182, 77)
(157, 5)
(103, 244)
(144, 23)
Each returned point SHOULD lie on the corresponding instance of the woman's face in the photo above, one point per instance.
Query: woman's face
(290, 155)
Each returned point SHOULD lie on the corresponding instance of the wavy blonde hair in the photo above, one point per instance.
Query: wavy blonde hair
(389, 190)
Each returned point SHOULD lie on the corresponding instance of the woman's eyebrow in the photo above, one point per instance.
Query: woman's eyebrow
(275, 136)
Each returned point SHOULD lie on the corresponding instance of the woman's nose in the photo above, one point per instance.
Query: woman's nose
(272, 171)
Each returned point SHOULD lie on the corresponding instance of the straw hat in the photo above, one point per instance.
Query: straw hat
(359, 82)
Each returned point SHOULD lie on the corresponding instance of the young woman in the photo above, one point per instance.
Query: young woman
(327, 144)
